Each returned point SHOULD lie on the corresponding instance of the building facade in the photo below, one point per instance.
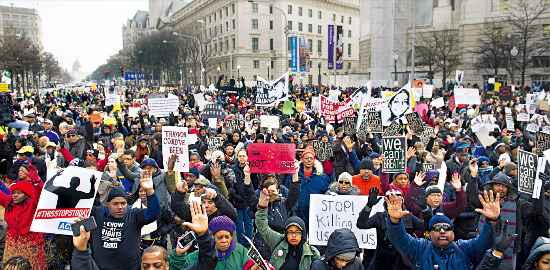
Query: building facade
(387, 29)
(248, 39)
(24, 22)
(136, 28)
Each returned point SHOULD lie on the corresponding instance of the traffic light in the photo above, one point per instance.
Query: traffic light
(121, 72)
(106, 74)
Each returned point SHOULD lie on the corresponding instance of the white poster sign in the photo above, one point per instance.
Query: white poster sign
(315, 103)
(393, 107)
(133, 111)
(467, 96)
(111, 99)
(335, 212)
(162, 107)
(67, 195)
(269, 121)
(268, 93)
(438, 102)
(199, 99)
(175, 140)
(427, 91)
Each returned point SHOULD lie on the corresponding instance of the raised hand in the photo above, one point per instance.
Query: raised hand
(455, 182)
(172, 162)
(263, 202)
(419, 179)
(215, 170)
(146, 182)
(420, 199)
(32, 174)
(410, 152)
(209, 193)
(474, 168)
(182, 187)
(373, 196)
(199, 219)
(395, 208)
(491, 205)
(349, 144)
(501, 233)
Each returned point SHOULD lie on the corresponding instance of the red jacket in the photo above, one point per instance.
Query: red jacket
(19, 218)
(99, 163)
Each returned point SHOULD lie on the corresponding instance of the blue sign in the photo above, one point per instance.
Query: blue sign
(294, 52)
(131, 76)
(66, 226)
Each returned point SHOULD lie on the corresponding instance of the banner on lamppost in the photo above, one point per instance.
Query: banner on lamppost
(339, 47)
(294, 53)
(304, 55)
(330, 47)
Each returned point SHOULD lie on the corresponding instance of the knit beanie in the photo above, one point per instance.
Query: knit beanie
(366, 163)
(433, 189)
(221, 223)
(344, 175)
(510, 166)
(24, 186)
(374, 155)
(115, 192)
(195, 171)
(439, 218)
(309, 150)
(506, 139)
(481, 159)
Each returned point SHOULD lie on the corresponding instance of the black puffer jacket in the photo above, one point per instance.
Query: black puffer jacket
(340, 241)
(541, 247)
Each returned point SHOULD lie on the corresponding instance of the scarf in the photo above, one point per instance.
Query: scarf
(28, 160)
(222, 256)
(228, 158)
(294, 256)
(507, 212)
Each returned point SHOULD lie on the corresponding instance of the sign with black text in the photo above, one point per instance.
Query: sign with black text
(271, 157)
(268, 93)
(393, 149)
(427, 167)
(427, 134)
(374, 121)
(505, 93)
(323, 150)
(213, 111)
(542, 143)
(527, 171)
(231, 125)
(393, 129)
(349, 125)
(415, 122)
(175, 141)
(214, 144)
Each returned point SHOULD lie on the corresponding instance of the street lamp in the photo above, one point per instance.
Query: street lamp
(268, 66)
(513, 53)
(285, 28)
(239, 74)
(218, 68)
(200, 49)
(319, 62)
(395, 57)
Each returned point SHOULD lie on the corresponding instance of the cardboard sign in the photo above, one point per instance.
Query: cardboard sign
(323, 150)
(428, 167)
(288, 107)
(175, 140)
(542, 143)
(509, 122)
(527, 170)
(67, 195)
(199, 99)
(491, 80)
(111, 99)
(466, 96)
(415, 123)
(162, 107)
(349, 125)
(329, 213)
(213, 111)
(212, 123)
(255, 255)
(394, 149)
(268, 94)
(95, 118)
(492, 94)
(394, 129)
(214, 144)
(438, 102)
(427, 91)
(300, 105)
(427, 134)
(505, 93)
(272, 158)
(484, 137)
(231, 125)
(269, 121)
(374, 121)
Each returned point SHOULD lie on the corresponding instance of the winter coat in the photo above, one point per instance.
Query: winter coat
(237, 197)
(334, 190)
(453, 166)
(100, 163)
(158, 183)
(450, 209)
(37, 162)
(235, 261)
(279, 245)
(181, 207)
(541, 247)
(317, 183)
(340, 241)
(424, 254)
(489, 262)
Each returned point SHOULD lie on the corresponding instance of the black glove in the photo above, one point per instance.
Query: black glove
(373, 196)
(155, 234)
(420, 199)
(500, 235)
(61, 142)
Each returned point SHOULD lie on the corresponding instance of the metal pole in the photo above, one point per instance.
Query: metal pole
(413, 36)
(395, 68)
(319, 76)
(285, 29)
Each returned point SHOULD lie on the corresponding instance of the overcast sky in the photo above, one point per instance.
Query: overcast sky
(87, 30)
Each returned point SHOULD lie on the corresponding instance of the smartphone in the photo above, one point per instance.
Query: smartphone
(186, 239)
(89, 224)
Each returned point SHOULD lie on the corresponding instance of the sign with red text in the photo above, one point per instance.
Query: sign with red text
(271, 157)
(175, 140)
(68, 194)
(328, 107)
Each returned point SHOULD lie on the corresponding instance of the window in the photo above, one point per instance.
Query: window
(289, 63)
(270, 9)
(319, 29)
(233, 23)
(14, 23)
(349, 20)
(233, 41)
(254, 23)
(226, 11)
(341, 19)
(310, 13)
(310, 28)
(271, 25)
(209, 18)
(254, 8)
(349, 33)
(546, 30)
(255, 44)
(271, 44)
(215, 47)
(541, 61)
(310, 45)
(256, 63)
(349, 65)
(499, 5)
(289, 44)
(349, 49)
(320, 14)
(333, 17)
(299, 26)
(289, 25)
(221, 46)
(233, 8)
(214, 16)
(319, 46)
(289, 9)
(545, 2)
(227, 45)
(227, 26)
(299, 11)
(255, 77)
(220, 14)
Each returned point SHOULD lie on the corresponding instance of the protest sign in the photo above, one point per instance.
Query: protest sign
(199, 99)
(328, 108)
(323, 150)
(67, 195)
(438, 102)
(394, 148)
(213, 111)
(137, 102)
(175, 140)
(111, 99)
(505, 93)
(492, 94)
(271, 158)
(288, 107)
(95, 118)
(133, 112)
(349, 125)
(483, 135)
(374, 121)
(427, 91)
(509, 122)
(214, 144)
(459, 76)
(255, 255)
(427, 167)
(415, 123)
(542, 143)
(231, 125)
(543, 105)
(532, 127)
(329, 213)
(269, 121)
(394, 129)
(531, 103)
(393, 107)
(212, 123)
(427, 134)
(270, 93)
(300, 105)
(467, 96)
(418, 84)
(314, 103)
(527, 169)
(162, 107)
(333, 95)
(491, 80)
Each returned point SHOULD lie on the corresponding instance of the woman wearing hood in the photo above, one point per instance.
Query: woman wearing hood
(343, 186)
(289, 251)
(539, 258)
(342, 252)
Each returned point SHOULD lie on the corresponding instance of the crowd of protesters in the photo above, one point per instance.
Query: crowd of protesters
(478, 218)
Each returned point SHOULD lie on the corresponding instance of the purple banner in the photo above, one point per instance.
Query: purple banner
(339, 47)
(330, 47)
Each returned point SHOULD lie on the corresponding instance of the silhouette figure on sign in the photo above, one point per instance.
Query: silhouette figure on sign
(69, 197)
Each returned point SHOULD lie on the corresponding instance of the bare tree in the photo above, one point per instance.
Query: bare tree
(493, 47)
(426, 50)
(446, 58)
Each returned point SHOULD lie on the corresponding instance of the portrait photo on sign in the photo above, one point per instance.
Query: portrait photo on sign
(398, 105)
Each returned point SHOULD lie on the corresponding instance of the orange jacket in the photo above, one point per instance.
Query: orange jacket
(365, 185)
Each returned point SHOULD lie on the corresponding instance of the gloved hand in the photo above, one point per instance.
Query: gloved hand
(32, 174)
(373, 196)
(500, 235)
(61, 142)
(420, 199)
(263, 202)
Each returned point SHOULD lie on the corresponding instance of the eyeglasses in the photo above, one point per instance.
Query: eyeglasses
(438, 228)
(484, 163)
(436, 195)
(70, 135)
(294, 233)
(344, 182)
